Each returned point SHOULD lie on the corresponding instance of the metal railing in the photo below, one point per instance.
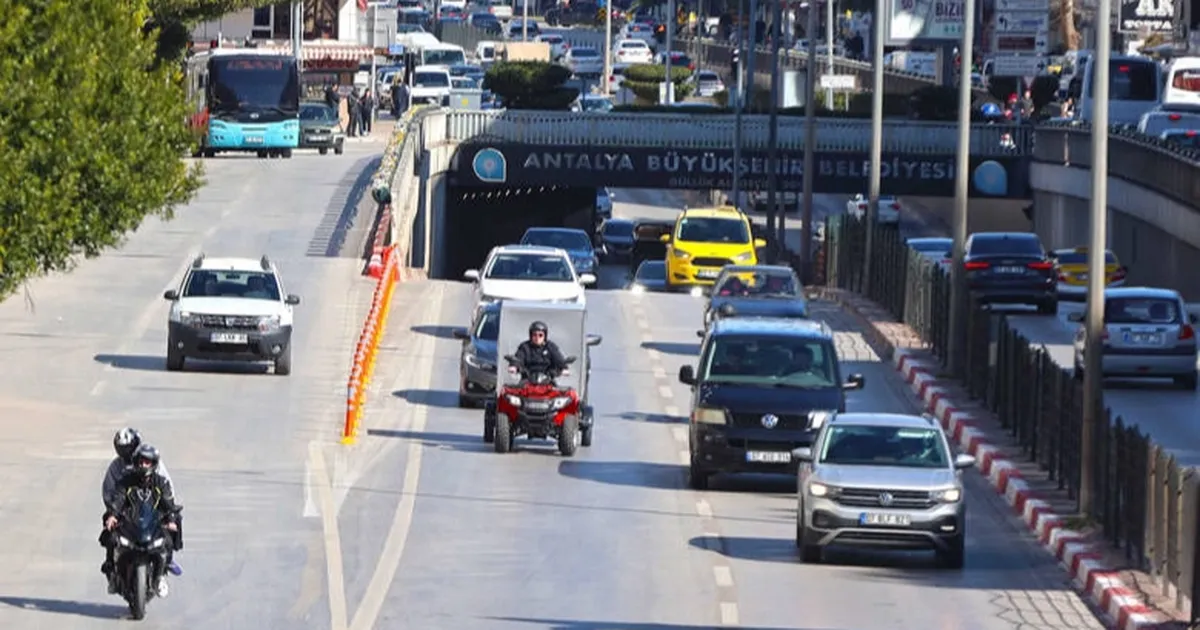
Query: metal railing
(1147, 505)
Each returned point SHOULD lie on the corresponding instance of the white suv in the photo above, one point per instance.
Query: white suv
(231, 309)
(529, 272)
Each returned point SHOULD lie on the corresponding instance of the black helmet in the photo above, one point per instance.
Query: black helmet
(538, 327)
(146, 453)
(126, 442)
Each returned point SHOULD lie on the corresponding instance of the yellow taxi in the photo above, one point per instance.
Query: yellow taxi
(1073, 271)
(705, 240)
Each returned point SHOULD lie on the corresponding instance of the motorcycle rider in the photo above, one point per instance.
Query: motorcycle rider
(125, 443)
(539, 354)
(144, 474)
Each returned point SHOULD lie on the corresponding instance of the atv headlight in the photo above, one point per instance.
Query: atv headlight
(158, 542)
(560, 402)
(513, 400)
(124, 541)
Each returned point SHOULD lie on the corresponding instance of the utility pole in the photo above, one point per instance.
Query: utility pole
(751, 51)
(739, 98)
(874, 178)
(1093, 380)
(524, 20)
(669, 88)
(810, 142)
(962, 192)
(297, 34)
(775, 34)
(606, 81)
(829, 41)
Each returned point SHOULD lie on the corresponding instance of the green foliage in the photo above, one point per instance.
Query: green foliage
(721, 98)
(91, 137)
(531, 85)
(643, 80)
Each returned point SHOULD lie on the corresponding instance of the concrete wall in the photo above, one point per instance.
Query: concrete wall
(983, 215)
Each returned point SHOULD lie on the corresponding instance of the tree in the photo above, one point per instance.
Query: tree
(531, 85)
(90, 133)
(171, 20)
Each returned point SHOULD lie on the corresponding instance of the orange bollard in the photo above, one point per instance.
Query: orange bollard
(349, 430)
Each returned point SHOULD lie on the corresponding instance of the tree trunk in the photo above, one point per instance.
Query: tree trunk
(1066, 19)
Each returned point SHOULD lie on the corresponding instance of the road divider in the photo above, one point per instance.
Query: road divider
(363, 366)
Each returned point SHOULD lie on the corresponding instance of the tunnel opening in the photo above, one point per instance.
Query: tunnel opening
(478, 219)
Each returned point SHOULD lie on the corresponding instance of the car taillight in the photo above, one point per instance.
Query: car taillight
(895, 206)
(1062, 276)
(1119, 274)
(976, 266)
(1187, 332)
(1041, 266)
(1174, 117)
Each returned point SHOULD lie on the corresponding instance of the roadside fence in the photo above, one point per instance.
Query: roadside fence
(363, 365)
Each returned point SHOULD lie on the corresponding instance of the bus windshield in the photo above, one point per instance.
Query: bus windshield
(268, 87)
(1131, 81)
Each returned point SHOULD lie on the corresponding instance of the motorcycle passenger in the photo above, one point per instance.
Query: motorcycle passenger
(145, 474)
(125, 443)
(539, 355)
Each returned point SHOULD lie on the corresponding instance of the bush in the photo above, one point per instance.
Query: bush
(91, 135)
(531, 85)
(643, 80)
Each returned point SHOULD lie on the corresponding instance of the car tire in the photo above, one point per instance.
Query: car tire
(1077, 373)
(339, 149)
(262, 155)
(1049, 307)
(175, 358)
(1187, 381)
(323, 150)
(489, 426)
(465, 402)
(209, 153)
(283, 362)
(285, 154)
(502, 439)
(954, 557)
(809, 554)
(698, 478)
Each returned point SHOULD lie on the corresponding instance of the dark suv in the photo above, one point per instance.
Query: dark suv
(757, 381)
(1011, 268)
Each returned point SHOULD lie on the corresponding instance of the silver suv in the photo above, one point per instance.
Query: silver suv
(880, 480)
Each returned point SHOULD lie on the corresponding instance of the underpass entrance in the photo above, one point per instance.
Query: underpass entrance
(480, 218)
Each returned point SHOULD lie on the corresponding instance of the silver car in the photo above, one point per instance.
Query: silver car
(880, 480)
(707, 83)
(584, 61)
(1147, 333)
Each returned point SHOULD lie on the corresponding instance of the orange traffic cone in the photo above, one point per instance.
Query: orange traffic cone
(375, 266)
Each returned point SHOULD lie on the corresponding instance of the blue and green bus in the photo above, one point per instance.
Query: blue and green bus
(245, 99)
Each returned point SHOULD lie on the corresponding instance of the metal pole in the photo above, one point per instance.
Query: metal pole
(773, 212)
(828, 51)
(962, 192)
(670, 87)
(874, 177)
(298, 33)
(1093, 404)
(810, 143)
(606, 82)
(751, 51)
(525, 20)
(374, 85)
(739, 97)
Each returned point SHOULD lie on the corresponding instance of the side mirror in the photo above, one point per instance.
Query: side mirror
(665, 238)
(856, 381)
(587, 279)
(291, 300)
(1193, 318)
(471, 274)
(700, 334)
(802, 454)
(687, 375)
(760, 242)
(963, 460)
(171, 294)
(570, 360)
(508, 358)
(594, 340)
(1075, 317)
(460, 333)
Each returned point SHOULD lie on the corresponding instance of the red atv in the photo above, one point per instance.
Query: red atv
(536, 407)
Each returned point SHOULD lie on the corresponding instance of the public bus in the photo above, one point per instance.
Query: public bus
(1134, 88)
(245, 99)
(1183, 82)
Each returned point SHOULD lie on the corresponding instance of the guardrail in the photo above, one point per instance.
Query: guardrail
(1147, 505)
(1141, 160)
(365, 351)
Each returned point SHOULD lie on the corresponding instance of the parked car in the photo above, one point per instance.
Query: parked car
(1147, 333)
(1011, 268)
(889, 208)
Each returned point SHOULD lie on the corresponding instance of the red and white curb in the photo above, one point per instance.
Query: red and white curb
(1100, 583)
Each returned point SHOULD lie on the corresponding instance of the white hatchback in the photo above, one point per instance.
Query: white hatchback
(631, 51)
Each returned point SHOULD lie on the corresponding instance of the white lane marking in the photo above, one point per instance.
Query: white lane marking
(729, 614)
(659, 371)
(100, 385)
(681, 434)
(704, 509)
(641, 321)
(685, 458)
(671, 410)
(665, 392)
(646, 338)
(723, 576)
(334, 576)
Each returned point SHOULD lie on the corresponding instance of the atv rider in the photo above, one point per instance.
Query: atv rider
(539, 355)
(144, 474)
(125, 443)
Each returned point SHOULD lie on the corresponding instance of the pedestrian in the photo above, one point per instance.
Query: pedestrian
(332, 97)
(367, 104)
(399, 99)
(354, 109)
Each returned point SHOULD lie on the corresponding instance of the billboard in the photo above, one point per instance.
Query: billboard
(932, 21)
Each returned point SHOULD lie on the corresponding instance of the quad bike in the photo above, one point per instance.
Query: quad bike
(538, 408)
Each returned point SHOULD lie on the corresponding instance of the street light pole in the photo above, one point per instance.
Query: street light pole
(1093, 397)
(810, 142)
(750, 52)
(606, 81)
(525, 20)
(775, 33)
(739, 97)
(670, 85)
(297, 33)
(829, 39)
(962, 192)
(874, 177)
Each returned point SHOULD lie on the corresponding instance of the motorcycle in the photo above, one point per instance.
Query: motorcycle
(536, 407)
(140, 559)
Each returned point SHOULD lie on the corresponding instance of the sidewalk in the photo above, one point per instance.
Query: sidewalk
(383, 129)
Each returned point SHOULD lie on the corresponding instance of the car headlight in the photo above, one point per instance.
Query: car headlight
(475, 362)
(560, 402)
(584, 264)
(744, 257)
(186, 318)
(679, 253)
(637, 289)
(818, 489)
(268, 323)
(705, 415)
(950, 495)
(513, 400)
(487, 299)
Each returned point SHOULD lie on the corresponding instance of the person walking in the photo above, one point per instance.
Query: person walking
(367, 104)
(354, 109)
(400, 97)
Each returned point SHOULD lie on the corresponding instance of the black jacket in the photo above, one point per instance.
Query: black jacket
(545, 358)
(163, 492)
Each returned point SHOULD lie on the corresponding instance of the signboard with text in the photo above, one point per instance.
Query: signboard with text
(515, 165)
(909, 21)
(1146, 16)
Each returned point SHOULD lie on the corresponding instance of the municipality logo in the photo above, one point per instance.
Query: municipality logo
(991, 179)
(490, 166)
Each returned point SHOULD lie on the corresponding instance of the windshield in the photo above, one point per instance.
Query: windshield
(706, 76)
(464, 83)
(1141, 311)
(414, 17)
(259, 84)
(1081, 258)
(443, 57)
(409, 28)
(580, 53)
(552, 39)
(431, 79)
(318, 113)
(652, 270)
(550, 267)
(990, 246)
(863, 445)
(562, 239)
(487, 52)
(782, 361)
(489, 326)
(757, 284)
(710, 230)
(640, 45)
(235, 284)
(618, 228)
(596, 105)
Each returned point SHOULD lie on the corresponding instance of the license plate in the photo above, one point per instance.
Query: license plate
(254, 139)
(884, 519)
(1009, 269)
(707, 273)
(222, 337)
(768, 457)
(1144, 339)
(315, 138)
(538, 406)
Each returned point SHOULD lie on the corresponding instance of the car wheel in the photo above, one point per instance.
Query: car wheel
(489, 426)
(698, 478)
(209, 153)
(175, 358)
(323, 150)
(809, 554)
(1187, 381)
(1049, 307)
(285, 154)
(339, 149)
(263, 155)
(283, 362)
(954, 557)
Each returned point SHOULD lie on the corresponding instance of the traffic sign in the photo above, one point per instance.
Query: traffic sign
(839, 82)
(1036, 6)
(1021, 43)
(1022, 22)
(1018, 65)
